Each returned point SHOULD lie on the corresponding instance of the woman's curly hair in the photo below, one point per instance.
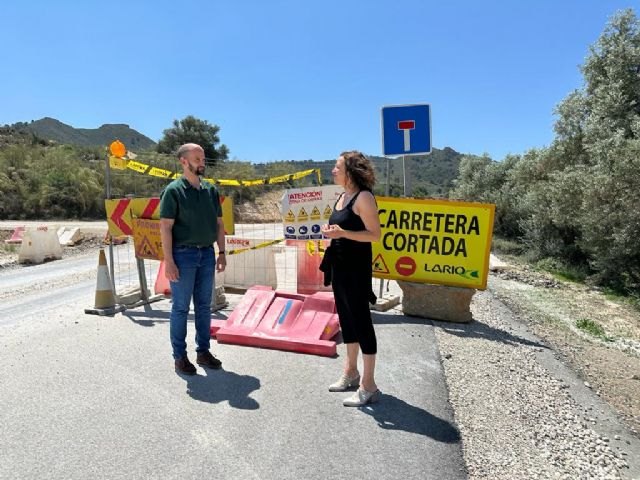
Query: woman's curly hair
(359, 169)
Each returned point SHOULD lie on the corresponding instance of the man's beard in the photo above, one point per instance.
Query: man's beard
(196, 170)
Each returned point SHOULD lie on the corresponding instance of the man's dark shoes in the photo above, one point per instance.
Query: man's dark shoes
(184, 366)
(207, 360)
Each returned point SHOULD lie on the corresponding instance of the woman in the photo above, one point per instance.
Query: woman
(353, 225)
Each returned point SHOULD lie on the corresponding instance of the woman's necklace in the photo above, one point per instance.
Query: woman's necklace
(348, 196)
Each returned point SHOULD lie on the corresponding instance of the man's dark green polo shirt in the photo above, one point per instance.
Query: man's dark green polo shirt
(195, 212)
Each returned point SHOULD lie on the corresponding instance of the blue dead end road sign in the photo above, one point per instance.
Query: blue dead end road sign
(406, 129)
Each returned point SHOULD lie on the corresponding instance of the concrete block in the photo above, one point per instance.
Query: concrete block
(386, 302)
(69, 236)
(437, 302)
(39, 244)
(218, 299)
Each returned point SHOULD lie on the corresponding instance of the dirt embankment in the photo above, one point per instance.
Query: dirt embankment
(598, 336)
(264, 209)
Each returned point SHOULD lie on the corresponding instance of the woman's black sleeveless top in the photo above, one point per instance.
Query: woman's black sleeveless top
(349, 253)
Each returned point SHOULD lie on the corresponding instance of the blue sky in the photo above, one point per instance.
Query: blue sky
(300, 79)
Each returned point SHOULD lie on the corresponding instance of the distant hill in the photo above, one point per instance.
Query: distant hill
(428, 175)
(51, 129)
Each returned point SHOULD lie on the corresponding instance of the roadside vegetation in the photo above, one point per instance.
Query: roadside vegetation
(592, 328)
(572, 208)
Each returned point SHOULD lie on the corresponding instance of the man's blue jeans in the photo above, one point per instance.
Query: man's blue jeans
(195, 268)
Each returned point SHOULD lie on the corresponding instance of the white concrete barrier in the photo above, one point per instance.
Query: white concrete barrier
(248, 267)
(39, 244)
(69, 235)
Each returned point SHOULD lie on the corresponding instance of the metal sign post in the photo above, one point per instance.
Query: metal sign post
(118, 150)
(406, 130)
(387, 189)
(404, 177)
(107, 192)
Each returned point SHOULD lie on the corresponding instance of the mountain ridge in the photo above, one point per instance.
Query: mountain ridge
(51, 129)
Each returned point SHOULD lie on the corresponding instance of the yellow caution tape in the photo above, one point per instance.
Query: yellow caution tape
(137, 166)
(161, 172)
(255, 247)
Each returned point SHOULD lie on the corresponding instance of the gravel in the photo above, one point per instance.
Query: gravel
(517, 419)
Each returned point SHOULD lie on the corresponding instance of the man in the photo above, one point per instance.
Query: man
(190, 221)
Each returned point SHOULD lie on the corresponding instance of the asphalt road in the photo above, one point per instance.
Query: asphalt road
(85, 396)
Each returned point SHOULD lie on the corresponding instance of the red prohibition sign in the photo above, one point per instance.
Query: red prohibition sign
(406, 266)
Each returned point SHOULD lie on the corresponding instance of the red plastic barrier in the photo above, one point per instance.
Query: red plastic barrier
(252, 304)
(282, 321)
(280, 316)
(162, 286)
(309, 257)
(16, 236)
(333, 325)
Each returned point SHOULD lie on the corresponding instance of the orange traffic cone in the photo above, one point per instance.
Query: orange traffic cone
(105, 302)
(104, 293)
(162, 286)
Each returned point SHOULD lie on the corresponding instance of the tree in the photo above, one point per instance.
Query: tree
(580, 206)
(193, 130)
(599, 142)
(576, 202)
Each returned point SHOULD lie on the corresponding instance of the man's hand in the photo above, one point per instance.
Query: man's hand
(171, 271)
(221, 263)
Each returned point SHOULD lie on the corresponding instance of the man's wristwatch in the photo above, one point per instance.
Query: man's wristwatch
(220, 253)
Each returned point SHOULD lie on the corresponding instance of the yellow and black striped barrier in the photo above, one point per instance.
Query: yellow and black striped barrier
(123, 163)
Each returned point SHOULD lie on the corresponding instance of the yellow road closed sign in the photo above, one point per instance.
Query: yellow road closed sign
(146, 239)
(434, 241)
